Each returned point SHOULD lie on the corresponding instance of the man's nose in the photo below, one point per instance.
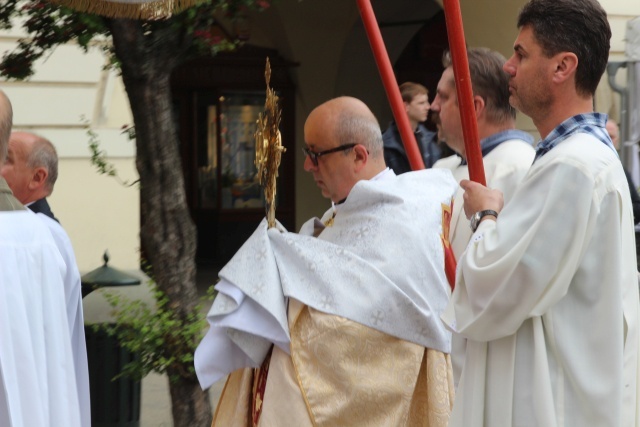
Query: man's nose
(308, 164)
(509, 68)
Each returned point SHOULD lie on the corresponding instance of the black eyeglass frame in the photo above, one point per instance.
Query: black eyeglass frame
(314, 156)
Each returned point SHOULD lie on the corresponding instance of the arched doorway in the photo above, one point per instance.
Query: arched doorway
(421, 59)
(415, 37)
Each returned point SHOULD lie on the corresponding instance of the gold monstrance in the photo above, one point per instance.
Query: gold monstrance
(269, 148)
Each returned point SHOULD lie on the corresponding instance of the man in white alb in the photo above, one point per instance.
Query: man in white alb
(507, 153)
(37, 375)
(547, 291)
(31, 171)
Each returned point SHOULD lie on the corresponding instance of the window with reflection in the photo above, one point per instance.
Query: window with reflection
(227, 175)
(239, 184)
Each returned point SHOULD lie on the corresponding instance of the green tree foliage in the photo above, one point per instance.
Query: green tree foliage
(162, 341)
(49, 26)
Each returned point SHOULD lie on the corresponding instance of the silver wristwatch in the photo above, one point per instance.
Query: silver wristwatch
(476, 217)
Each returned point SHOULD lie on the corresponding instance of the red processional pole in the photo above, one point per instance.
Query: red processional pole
(458, 49)
(390, 84)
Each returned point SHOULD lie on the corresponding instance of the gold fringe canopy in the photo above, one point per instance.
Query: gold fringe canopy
(269, 148)
(133, 9)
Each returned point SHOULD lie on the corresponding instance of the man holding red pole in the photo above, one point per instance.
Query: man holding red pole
(507, 152)
(547, 290)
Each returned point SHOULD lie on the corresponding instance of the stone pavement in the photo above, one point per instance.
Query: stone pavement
(155, 405)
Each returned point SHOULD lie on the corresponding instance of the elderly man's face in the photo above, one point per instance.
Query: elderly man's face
(334, 172)
(15, 170)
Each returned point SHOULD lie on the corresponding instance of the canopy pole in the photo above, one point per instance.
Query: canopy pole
(458, 49)
(390, 84)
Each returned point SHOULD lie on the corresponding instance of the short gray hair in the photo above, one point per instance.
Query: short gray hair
(352, 128)
(6, 121)
(44, 154)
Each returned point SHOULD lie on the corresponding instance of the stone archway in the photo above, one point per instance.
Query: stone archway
(415, 36)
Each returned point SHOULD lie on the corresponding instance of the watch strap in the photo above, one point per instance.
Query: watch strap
(477, 217)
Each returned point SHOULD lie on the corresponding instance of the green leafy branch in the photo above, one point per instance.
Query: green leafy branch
(161, 340)
(99, 156)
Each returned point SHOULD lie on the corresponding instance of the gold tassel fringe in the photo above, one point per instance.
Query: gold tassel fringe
(149, 10)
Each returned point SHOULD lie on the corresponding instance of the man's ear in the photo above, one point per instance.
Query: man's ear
(38, 178)
(406, 107)
(362, 156)
(566, 66)
(478, 105)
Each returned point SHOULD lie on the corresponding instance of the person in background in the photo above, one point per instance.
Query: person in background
(37, 376)
(507, 152)
(416, 104)
(614, 134)
(31, 171)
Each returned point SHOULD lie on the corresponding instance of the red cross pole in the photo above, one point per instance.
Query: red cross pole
(458, 50)
(390, 84)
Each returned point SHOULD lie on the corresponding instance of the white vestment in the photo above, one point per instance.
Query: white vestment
(504, 167)
(37, 375)
(73, 298)
(547, 298)
(380, 264)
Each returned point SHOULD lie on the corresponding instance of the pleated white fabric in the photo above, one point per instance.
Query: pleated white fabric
(37, 373)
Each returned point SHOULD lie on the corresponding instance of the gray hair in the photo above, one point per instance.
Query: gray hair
(358, 129)
(43, 154)
(6, 121)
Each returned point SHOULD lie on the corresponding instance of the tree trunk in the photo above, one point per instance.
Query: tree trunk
(187, 404)
(167, 232)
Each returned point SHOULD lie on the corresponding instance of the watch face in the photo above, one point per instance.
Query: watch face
(476, 217)
(474, 221)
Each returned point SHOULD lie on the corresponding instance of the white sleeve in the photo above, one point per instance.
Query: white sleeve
(522, 264)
